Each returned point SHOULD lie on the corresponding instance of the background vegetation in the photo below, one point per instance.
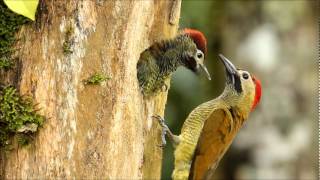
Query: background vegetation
(276, 41)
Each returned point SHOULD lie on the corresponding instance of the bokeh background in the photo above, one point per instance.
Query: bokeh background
(276, 40)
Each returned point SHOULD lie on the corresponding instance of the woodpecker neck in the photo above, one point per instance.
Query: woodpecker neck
(242, 101)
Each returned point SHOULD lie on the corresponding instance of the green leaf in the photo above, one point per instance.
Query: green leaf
(26, 8)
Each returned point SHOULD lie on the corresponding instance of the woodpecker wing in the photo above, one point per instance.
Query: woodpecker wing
(217, 134)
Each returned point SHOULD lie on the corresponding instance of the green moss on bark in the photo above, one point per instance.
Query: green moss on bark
(18, 117)
(10, 23)
(96, 79)
(67, 44)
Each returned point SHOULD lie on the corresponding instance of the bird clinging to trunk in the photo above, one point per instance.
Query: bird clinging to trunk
(161, 59)
(211, 127)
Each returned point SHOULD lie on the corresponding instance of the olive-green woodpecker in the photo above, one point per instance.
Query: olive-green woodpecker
(211, 127)
(161, 59)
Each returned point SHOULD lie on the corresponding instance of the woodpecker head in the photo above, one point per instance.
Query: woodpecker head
(195, 59)
(242, 89)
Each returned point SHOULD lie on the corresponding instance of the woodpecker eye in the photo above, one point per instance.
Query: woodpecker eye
(245, 76)
(199, 55)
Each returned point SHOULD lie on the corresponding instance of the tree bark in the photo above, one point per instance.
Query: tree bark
(91, 131)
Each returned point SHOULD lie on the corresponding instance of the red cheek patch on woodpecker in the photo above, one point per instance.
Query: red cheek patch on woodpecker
(258, 92)
(198, 38)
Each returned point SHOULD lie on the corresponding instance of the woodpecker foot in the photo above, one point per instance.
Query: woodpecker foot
(166, 131)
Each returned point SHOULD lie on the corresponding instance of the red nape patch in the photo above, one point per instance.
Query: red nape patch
(258, 92)
(198, 38)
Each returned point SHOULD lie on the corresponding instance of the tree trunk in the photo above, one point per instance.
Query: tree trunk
(91, 131)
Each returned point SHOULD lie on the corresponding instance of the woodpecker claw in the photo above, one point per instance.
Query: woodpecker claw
(164, 130)
(163, 138)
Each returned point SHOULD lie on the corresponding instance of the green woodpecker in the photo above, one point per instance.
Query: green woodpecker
(211, 127)
(160, 60)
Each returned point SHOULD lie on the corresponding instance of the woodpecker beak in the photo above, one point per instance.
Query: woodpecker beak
(199, 63)
(204, 68)
(232, 73)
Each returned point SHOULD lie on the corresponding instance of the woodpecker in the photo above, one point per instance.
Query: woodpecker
(159, 61)
(211, 127)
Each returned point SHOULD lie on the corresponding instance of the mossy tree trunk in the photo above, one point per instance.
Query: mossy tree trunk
(91, 131)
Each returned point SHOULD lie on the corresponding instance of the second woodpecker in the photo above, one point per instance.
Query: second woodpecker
(211, 127)
(159, 61)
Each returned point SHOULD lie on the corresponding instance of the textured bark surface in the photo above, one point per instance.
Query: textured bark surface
(92, 131)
